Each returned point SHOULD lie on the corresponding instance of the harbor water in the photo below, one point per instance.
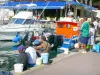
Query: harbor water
(8, 56)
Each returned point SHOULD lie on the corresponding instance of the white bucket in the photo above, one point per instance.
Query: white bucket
(38, 61)
(45, 57)
(66, 51)
(76, 45)
(18, 67)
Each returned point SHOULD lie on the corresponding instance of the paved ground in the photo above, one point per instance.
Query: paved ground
(79, 64)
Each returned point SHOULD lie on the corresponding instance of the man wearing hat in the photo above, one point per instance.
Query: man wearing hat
(23, 58)
(70, 17)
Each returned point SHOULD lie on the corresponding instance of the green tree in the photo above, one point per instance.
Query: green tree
(96, 1)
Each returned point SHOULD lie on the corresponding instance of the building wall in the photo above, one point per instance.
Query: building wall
(85, 2)
(76, 8)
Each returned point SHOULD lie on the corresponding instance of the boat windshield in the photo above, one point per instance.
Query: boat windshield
(12, 20)
(21, 21)
(17, 21)
(29, 21)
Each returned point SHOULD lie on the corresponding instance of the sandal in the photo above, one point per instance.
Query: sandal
(84, 52)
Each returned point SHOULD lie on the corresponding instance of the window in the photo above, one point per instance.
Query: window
(60, 25)
(68, 26)
(29, 21)
(12, 20)
(78, 12)
(19, 21)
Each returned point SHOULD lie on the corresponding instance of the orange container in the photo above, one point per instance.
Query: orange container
(67, 29)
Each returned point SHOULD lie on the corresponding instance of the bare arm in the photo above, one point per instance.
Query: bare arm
(38, 47)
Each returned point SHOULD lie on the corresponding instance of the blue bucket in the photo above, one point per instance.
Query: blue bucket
(44, 57)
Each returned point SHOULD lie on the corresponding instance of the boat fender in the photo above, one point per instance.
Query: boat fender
(17, 39)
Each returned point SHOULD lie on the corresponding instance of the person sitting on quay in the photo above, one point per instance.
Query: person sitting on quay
(31, 52)
(44, 47)
(23, 58)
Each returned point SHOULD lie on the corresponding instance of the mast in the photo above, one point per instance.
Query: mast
(91, 7)
(67, 2)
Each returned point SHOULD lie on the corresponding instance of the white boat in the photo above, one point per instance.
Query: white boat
(21, 22)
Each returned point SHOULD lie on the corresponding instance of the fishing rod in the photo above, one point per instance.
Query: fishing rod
(39, 15)
(67, 7)
(42, 11)
(30, 34)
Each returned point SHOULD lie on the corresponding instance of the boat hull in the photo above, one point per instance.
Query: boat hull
(9, 32)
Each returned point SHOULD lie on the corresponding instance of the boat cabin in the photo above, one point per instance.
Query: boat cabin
(67, 29)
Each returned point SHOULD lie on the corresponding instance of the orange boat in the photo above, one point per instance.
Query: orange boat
(67, 28)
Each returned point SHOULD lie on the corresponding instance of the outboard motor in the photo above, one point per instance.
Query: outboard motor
(30, 35)
(25, 37)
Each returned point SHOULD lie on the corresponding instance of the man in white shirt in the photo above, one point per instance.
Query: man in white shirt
(99, 26)
(70, 17)
(31, 52)
(96, 24)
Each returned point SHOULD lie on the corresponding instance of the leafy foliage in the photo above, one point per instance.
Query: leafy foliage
(96, 1)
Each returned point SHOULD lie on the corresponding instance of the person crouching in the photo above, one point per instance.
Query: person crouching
(23, 58)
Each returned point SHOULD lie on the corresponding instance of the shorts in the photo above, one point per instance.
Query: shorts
(83, 40)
